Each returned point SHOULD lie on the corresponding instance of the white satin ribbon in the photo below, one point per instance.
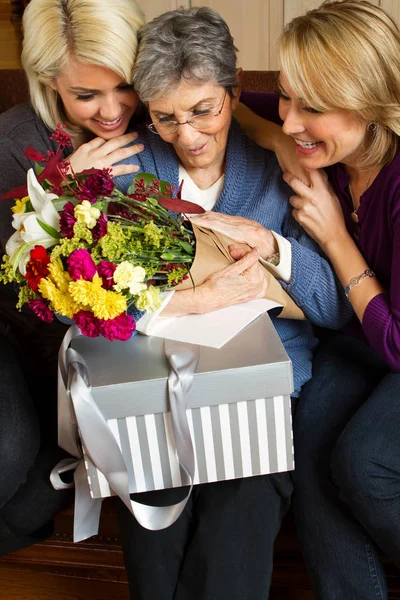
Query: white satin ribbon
(78, 411)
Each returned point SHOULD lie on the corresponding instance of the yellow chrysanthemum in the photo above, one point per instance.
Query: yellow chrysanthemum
(149, 299)
(58, 275)
(61, 302)
(86, 213)
(108, 305)
(64, 304)
(19, 206)
(86, 292)
(47, 289)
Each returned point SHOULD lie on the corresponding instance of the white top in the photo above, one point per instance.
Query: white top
(207, 199)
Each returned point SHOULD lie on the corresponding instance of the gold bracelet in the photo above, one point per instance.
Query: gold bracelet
(274, 259)
(354, 281)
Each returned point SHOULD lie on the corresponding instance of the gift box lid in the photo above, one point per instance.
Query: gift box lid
(130, 378)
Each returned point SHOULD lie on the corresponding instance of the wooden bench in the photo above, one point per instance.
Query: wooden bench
(59, 569)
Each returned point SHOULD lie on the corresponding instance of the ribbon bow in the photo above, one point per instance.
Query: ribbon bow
(79, 417)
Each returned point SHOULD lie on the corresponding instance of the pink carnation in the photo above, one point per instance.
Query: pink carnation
(41, 309)
(106, 270)
(120, 328)
(81, 265)
(90, 325)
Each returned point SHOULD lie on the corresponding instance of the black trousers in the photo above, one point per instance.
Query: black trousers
(220, 548)
(28, 435)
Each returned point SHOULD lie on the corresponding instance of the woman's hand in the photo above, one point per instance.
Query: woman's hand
(286, 153)
(317, 208)
(102, 154)
(240, 230)
(242, 281)
(270, 136)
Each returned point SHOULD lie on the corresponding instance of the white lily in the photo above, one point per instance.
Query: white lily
(29, 231)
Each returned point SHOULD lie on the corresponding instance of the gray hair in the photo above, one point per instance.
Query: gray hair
(194, 44)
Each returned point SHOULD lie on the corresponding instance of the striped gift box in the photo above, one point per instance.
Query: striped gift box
(239, 410)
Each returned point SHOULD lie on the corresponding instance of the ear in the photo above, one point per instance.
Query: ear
(53, 85)
(236, 91)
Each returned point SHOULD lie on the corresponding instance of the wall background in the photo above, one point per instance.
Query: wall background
(256, 24)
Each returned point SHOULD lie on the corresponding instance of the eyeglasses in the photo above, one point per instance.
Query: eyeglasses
(204, 120)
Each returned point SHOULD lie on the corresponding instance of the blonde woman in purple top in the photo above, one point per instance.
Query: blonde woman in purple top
(340, 103)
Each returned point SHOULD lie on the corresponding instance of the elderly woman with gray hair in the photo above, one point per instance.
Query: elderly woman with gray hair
(221, 546)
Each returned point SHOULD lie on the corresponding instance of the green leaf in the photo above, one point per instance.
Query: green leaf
(61, 201)
(38, 168)
(165, 189)
(148, 180)
(148, 177)
(186, 246)
(101, 205)
(167, 256)
(49, 229)
(131, 189)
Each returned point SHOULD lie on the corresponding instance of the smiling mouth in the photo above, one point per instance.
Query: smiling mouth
(109, 123)
(307, 145)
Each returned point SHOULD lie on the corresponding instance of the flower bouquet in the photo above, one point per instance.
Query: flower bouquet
(85, 251)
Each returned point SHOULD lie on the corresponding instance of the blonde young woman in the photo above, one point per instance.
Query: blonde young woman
(78, 56)
(340, 106)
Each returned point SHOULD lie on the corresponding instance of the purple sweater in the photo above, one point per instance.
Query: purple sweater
(379, 242)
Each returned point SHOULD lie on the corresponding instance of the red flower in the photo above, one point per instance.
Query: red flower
(60, 136)
(106, 270)
(90, 325)
(36, 268)
(41, 309)
(67, 220)
(120, 328)
(100, 229)
(98, 184)
(80, 264)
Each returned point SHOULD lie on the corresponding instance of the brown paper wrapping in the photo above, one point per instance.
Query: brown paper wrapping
(212, 255)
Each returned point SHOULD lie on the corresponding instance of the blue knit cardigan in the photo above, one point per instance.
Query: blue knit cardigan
(254, 188)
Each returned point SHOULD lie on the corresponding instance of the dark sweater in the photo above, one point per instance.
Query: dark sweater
(20, 128)
(379, 242)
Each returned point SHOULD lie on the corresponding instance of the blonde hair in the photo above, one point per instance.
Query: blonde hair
(346, 55)
(96, 32)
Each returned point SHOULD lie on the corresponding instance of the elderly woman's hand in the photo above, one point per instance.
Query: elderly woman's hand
(317, 208)
(240, 230)
(102, 154)
(242, 281)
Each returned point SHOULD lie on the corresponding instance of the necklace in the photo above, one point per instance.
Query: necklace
(354, 214)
